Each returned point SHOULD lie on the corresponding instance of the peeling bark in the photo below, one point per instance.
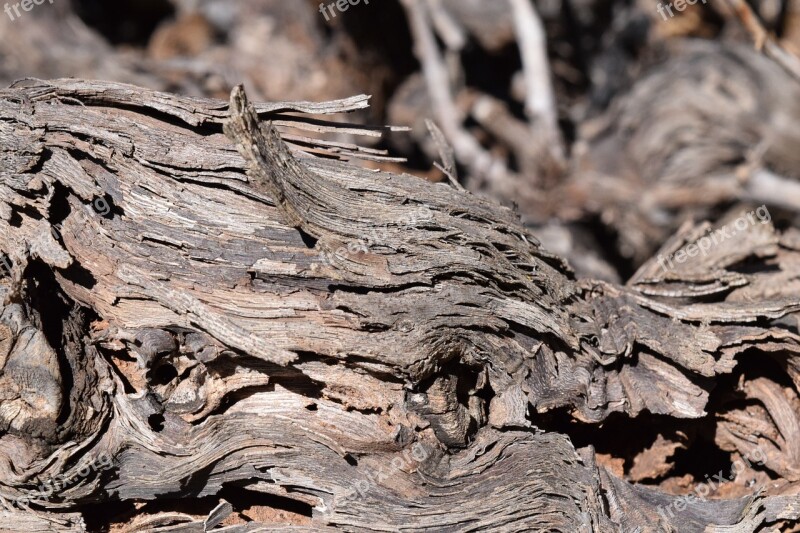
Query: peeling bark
(379, 350)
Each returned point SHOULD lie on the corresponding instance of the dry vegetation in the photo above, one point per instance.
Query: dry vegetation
(560, 292)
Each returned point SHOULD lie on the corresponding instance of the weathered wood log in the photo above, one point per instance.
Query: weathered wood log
(214, 308)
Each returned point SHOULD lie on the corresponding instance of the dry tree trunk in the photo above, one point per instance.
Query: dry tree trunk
(374, 347)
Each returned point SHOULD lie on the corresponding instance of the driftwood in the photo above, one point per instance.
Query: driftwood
(198, 308)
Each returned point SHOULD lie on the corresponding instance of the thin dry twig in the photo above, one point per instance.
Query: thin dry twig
(451, 32)
(540, 101)
(763, 40)
(467, 149)
(448, 166)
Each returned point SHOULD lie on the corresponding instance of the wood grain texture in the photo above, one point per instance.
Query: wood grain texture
(374, 347)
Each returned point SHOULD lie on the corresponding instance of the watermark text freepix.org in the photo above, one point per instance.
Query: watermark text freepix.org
(705, 243)
(101, 207)
(680, 5)
(409, 458)
(704, 489)
(340, 5)
(26, 5)
(377, 236)
(53, 485)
